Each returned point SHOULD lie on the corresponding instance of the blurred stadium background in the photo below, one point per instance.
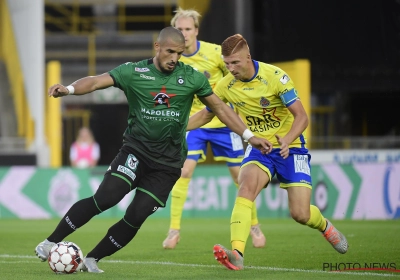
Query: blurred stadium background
(344, 57)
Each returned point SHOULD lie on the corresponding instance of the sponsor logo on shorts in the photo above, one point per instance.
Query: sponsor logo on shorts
(301, 164)
(126, 171)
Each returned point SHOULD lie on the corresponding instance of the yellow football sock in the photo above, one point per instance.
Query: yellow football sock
(178, 198)
(240, 223)
(254, 218)
(316, 220)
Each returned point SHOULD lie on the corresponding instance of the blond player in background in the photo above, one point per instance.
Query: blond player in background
(225, 144)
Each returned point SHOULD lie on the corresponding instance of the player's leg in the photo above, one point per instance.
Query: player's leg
(306, 214)
(178, 198)
(112, 189)
(196, 151)
(294, 175)
(257, 236)
(152, 193)
(254, 175)
(228, 146)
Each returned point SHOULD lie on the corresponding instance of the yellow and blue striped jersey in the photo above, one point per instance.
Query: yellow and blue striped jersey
(262, 102)
(207, 60)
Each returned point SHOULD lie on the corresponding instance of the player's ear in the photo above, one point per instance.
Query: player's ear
(156, 46)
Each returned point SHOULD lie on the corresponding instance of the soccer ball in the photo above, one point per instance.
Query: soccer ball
(65, 257)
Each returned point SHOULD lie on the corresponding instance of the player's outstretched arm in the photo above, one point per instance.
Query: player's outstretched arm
(82, 86)
(232, 120)
(199, 119)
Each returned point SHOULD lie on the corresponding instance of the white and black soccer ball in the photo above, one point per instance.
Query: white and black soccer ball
(65, 257)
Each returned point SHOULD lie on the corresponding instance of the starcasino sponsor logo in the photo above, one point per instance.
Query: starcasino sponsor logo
(267, 121)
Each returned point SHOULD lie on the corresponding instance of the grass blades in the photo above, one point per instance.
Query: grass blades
(293, 251)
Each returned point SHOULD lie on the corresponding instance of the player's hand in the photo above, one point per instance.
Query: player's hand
(58, 91)
(284, 146)
(262, 144)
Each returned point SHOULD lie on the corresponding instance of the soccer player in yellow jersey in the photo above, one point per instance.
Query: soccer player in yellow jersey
(267, 102)
(226, 145)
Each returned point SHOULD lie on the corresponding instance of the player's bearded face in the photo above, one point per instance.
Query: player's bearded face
(167, 56)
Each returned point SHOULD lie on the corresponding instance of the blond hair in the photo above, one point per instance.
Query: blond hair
(195, 15)
(233, 44)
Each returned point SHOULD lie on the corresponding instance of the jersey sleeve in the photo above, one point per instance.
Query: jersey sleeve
(121, 75)
(285, 89)
(203, 86)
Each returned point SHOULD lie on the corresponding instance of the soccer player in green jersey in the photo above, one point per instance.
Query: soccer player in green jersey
(266, 100)
(225, 144)
(160, 93)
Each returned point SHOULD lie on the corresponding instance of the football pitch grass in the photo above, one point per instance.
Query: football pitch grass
(292, 252)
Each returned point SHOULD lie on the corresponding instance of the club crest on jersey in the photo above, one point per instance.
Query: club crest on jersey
(132, 162)
(264, 102)
(162, 97)
(180, 80)
(207, 74)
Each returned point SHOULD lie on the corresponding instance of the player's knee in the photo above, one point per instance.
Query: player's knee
(141, 207)
(187, 172)
(300, 216)
(111, 191)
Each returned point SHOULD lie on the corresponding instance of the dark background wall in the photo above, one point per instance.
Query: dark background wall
(353, 47)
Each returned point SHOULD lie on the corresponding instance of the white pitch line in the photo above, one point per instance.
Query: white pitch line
(217, 266)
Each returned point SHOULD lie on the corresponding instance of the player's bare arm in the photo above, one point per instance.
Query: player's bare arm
(82, 86)
(199, 119)
(300, 123)
(229, 117)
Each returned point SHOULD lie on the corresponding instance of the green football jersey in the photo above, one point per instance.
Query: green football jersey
(159, 108)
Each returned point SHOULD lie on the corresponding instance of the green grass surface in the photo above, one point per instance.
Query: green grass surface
(292, 252)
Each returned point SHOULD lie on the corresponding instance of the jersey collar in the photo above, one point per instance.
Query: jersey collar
(256, 66)
(198, 48)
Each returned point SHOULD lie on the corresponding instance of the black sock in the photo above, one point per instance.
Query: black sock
(240, 253)
(79, 214)
(117, 237)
